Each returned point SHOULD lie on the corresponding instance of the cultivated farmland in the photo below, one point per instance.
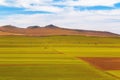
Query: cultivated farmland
(58, 58)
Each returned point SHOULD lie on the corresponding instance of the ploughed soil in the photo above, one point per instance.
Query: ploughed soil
(105, 63)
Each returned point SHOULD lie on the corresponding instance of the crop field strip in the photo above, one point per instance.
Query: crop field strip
(53, 72)
(54, 58)
(111, 65)
(114, 72)
(105, 63)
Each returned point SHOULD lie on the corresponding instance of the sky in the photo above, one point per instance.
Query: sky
(102, 15)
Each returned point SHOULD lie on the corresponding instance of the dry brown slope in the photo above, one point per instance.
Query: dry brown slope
(53, 30)
(8, 33)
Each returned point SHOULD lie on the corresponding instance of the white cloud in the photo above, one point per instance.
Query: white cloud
(91, 2)
(32, 5)
(82, 20)
(44, 8)
(108, 20)
(45, 5)
(2, 2)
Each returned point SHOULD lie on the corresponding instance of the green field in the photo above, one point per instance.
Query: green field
(115, 72)
(54, 57)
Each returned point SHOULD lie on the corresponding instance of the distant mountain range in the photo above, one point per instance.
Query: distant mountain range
(51, 30)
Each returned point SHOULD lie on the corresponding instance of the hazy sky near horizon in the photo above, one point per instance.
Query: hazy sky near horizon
(80, 14)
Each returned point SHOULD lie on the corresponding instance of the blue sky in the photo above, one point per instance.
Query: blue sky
(81, 14)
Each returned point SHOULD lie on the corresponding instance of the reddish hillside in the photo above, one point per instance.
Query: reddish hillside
(7, 33)
(51, 30)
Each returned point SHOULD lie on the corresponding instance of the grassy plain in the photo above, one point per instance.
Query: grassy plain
(54, 57)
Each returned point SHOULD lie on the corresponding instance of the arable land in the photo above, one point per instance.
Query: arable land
(59, 58)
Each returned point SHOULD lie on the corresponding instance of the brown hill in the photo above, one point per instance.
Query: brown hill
(7, 33)
(51, 30)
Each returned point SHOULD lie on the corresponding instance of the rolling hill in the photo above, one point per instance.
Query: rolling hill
(51, 30)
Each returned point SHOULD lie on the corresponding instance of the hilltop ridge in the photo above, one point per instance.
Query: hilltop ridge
(51, 30)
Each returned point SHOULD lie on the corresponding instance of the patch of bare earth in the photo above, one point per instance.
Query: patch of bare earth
(8, 33)
(104, 63)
